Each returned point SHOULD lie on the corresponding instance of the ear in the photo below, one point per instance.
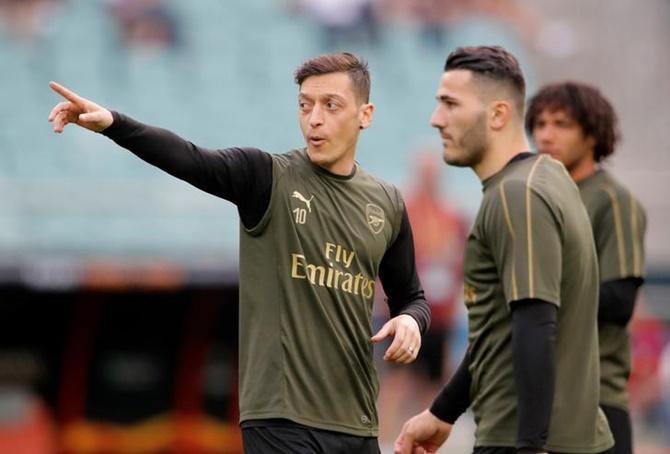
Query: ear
(365, 115)
(501, 114)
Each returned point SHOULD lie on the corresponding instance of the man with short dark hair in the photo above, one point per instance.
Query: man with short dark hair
(315, 232)
(576, 124)
(530, 373)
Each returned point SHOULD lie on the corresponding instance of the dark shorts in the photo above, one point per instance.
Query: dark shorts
(619, 421)
(508, 450)
(279, 436)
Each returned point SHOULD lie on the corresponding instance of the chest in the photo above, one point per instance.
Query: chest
(344, 223)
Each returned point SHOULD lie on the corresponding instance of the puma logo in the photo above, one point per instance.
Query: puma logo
(302, 198)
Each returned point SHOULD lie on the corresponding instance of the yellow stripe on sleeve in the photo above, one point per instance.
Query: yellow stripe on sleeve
(618, 225)
(637, 266)
(529, 228)
(508, 220)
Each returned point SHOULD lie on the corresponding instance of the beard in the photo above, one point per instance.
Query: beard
(473, 144)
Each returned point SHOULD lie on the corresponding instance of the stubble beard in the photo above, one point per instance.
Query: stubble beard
(473, 144)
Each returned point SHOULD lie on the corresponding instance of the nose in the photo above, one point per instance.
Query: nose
(542, 135)
(316, 117)
(437, 119)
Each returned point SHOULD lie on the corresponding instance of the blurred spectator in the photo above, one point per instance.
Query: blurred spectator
(439, 239)
(664, 375)
(433, 16)
(516, 14)
(26, 424)
(26, 20)
(146, 24)
(343, 22)
(646, 386)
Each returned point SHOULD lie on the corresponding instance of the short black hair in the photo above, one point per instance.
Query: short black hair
(585, 105)
(345, 62)
(493, 63)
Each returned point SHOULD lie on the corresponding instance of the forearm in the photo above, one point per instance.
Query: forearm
(419, 310)
(617, 300)
(240, 175)
(400, 280)
(157, 146)
(533, 342)
(454, 399)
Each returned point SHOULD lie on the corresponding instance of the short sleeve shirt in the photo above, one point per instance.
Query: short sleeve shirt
(532, 239)
(619, 223)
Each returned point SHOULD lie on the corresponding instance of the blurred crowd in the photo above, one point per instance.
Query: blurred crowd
(341, 23)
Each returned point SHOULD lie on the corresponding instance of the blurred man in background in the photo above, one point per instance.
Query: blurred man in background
(440, 232)
(316, 230)
(531, 370)
(439, 237)
(576, 124)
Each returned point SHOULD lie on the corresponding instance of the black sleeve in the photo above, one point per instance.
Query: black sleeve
(617, 300)
(240, 175)
(533, 342)
(397, 272)
(454, 398)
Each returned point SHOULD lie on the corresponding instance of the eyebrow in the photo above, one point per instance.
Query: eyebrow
(323, 96)
(445, 98)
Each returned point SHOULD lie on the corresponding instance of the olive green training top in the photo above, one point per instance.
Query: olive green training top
(532, 239)
(619, 223)
(307, 280)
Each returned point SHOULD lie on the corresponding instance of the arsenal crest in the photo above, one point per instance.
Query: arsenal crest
(375, 217)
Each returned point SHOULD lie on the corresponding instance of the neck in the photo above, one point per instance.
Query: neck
(500, 151)
(343, 167)
(583, 168)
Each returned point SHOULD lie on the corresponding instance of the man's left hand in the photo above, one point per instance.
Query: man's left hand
(406, 342)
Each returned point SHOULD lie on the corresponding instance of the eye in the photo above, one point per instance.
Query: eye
(331, 105)
(303, 105)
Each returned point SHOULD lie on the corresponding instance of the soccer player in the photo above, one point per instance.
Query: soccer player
(530, 373)
(315, 232)
(576, 124)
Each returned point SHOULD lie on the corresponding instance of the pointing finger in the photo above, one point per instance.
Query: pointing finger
(65, 93)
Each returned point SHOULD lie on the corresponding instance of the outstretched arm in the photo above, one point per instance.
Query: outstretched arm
(240, 175)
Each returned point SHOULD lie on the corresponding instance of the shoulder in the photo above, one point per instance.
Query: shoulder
(537, 183)
(292, 157)
(381, 188)
(545, 180)
(537, 176)
(288, 163)
(606, 193)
